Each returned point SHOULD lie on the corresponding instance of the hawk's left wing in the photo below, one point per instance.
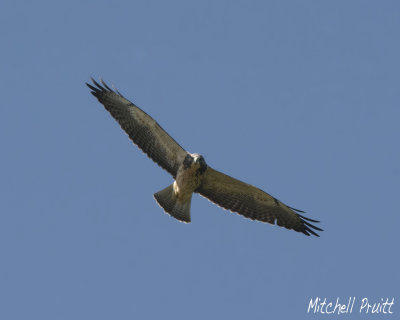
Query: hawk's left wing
(252, 202)
(143, 130)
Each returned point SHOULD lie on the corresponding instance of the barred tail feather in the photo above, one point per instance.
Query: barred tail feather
(167, 200)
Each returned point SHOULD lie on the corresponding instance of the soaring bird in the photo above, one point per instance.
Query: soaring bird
(192, 174)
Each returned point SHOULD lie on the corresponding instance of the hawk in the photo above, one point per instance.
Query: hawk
(192, 174)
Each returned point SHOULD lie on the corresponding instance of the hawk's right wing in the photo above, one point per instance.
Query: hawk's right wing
(142, 129)
(251, 202)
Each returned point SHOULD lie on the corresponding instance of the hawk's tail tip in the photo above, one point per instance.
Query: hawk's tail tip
(167, 200)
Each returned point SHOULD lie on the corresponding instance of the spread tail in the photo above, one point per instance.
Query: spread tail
(168, 200)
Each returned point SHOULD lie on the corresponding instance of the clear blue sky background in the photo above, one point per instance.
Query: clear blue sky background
(300, 98)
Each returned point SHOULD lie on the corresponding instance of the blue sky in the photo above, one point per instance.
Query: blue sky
(299, 98)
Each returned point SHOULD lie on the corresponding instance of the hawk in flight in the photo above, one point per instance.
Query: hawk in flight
(192, 174)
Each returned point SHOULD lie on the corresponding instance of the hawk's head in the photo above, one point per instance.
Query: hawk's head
(196, 162)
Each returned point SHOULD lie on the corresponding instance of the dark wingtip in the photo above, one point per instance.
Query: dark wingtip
(308, 219)
(312, 226)
(98, 85)
(92, 88)
(307, 228)
(307, 232)
(103, 87)
(297, 210)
